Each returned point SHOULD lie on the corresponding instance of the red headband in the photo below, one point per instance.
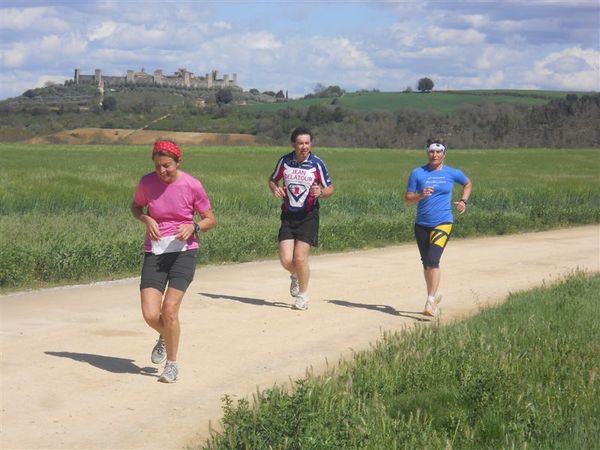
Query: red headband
(167, 146)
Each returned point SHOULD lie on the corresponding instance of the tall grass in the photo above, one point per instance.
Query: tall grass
(64, 210)
(521, 375)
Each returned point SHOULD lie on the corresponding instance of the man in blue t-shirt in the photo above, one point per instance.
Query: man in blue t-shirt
(430, 186)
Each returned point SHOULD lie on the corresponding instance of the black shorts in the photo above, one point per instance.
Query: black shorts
(432, 242)
(300, 226)
(176, 268)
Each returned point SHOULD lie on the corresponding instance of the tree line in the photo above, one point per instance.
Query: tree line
(562, 123)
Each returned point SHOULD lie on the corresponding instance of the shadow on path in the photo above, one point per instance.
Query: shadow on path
(247, 300)
(387, 309)
(108, 363)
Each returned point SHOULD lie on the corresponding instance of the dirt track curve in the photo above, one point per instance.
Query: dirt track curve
(75, 369)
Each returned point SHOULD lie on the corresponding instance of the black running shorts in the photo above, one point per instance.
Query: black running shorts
(432, 242)
(177, 269)
(300, 226)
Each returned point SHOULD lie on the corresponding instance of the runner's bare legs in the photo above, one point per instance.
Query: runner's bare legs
(432, 280)
(294, 258)
(163, 316)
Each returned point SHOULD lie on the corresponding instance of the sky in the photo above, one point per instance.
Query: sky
(296, 45)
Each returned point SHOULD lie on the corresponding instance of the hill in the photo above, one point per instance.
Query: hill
(490, 118)
(441, 101)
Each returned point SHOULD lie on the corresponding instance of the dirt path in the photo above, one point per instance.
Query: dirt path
(75, 361)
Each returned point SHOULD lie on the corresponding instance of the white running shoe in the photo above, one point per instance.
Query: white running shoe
(159, 352)
(301, 302)
(431, 306)
(170, 373)
(294, 286)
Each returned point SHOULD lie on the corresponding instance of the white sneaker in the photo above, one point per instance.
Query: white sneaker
(431, 306)
(170, 373)
(294, 286)
(159, 352)
(301, 302)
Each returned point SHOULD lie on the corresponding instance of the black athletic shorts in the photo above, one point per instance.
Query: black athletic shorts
(302, 226)
(175, 268)
(432, 242)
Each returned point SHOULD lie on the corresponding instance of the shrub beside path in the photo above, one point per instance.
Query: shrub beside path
(75, 360)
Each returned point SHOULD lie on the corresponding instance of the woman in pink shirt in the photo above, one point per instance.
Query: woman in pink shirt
(166, 201)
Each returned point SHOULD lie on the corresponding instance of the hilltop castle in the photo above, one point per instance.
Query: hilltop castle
(181, 78)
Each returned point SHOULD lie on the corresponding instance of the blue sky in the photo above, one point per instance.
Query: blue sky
(294, 45)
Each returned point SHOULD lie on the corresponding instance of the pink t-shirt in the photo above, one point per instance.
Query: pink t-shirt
(171, 204)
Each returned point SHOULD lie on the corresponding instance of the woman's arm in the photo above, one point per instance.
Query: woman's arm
(461, 205)
(151, 224)
(207, 220)
(415, 197)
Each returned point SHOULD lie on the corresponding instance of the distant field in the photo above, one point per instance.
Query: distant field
(64, 210)
(443, 101)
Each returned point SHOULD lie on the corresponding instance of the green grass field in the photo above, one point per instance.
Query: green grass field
(442, 101)
(521, 375)
(64, 210)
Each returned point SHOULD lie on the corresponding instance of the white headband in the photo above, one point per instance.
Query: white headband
(437, 146)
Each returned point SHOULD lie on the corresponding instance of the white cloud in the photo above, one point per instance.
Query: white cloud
(435, 52)
(222, 25)
(14, 56)
(403, 34)
(50, 48)
(103, 31)
(260, 41)
(52, 45)
(20, 81)
(476, 20)
(38, 18)
(571, 69)
(496, 56)
(455, 37)
(461, 44)
(336, 53)
(137, 36)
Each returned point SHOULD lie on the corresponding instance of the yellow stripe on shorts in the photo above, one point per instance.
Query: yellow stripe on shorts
(439, 235)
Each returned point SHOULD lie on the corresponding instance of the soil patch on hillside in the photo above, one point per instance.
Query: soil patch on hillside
(140, 137)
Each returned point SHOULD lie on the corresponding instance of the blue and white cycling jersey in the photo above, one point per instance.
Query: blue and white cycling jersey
(298, 179)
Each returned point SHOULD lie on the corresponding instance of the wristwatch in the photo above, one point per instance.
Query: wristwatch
(463, 200)
(197, 229)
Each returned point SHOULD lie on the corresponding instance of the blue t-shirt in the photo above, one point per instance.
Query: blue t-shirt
(437, 208)
(298, 177)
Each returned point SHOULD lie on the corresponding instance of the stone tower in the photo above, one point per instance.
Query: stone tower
(98, 77)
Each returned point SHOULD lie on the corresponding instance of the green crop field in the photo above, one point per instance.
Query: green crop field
(443, 101)
(64, 210)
